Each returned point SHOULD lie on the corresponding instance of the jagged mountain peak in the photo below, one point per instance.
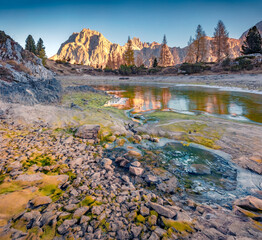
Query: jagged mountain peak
(90, 47)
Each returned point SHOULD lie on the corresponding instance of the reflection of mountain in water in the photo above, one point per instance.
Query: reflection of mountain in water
(188, 100)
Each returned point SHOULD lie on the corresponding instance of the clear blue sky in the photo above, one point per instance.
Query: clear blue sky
(55, 20)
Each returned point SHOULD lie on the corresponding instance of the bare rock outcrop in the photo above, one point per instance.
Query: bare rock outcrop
(23, 78)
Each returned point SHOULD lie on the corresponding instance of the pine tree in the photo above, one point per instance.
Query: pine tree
(129, 54)
(165, 54)
(253, 42)
(155, 63)
(190, 55)
(164, 39)
(30, 44)
(40, 50)
(39, 46)
(220, 46)
(200, 45)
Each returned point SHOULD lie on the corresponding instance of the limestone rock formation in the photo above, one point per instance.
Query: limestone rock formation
(23, 78)
(91, 48)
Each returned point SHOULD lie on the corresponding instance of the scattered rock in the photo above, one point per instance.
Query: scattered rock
(39, 201)
(144, 211)
(136, 164)
(30, 178)
(80, 212)
(97, 210)
(134, 153)
(137, 138)
(88, 131)
(136, 171)
(126, 178)
(136, 230)
(63, 228)
(106, 162)
(249, 203)
(169, 186)
(151, 179)
(70, 207)
(164, 211)
(111, 138)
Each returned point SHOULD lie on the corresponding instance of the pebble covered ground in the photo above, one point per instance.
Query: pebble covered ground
(59, 185)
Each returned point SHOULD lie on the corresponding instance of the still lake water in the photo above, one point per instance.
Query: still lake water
(220, 181)
(242, 106)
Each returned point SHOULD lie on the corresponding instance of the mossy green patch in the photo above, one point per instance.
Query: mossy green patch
(86, 99)
(164, 117)
(9, 187)
(140, 218)
(197, 132)
(179, 226)
(87, 201)
(2, 178)
(51, 190)
(153, 212)
(72, 176)
(20, 225)
(41, 160)
(48, 232)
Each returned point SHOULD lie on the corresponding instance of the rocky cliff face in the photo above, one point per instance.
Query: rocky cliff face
(23, 78)
(91, 48)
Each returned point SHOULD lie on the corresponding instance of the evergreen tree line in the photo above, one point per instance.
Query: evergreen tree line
(38, 49)
(197, 49)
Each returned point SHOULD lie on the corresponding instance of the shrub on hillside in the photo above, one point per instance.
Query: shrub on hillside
(245, 63)
(190, 68)
(226, 62)
(245, 56)
(132, 69)
(242, 63)
(154, 70)
(109, 70)
(60, 61)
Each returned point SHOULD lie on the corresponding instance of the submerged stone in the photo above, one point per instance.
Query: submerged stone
(199, 169)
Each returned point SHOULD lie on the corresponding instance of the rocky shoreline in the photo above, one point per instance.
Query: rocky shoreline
(244, 81)
(94, 197)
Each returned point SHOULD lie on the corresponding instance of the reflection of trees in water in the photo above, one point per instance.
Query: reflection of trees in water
(143, 98)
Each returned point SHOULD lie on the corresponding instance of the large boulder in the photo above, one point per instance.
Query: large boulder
(30, 177)
(40, 201)
(163, 211)
(88, 131)
(136, 170)
(250, 203)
